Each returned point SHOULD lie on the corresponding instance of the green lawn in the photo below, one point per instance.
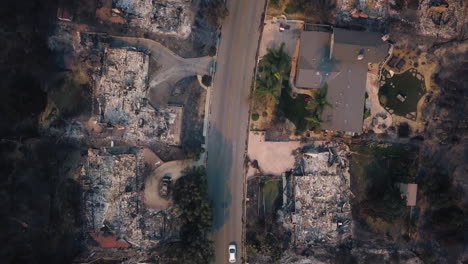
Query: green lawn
(294, 108)
(270, 194)
(409, 84)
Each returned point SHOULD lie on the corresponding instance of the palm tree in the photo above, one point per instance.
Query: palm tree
(276, 65)
(314, 121)
(319, 102)
(316, 106)
(278, 61)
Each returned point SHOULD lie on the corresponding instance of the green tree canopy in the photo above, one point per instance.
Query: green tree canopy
(195, 210)
(316, 106)
(274, 69)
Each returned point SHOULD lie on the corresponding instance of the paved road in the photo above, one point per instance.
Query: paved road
(229, 119)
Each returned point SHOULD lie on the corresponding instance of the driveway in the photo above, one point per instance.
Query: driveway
(227, 134)
(172, 67)
(174, 169)
(272, 37)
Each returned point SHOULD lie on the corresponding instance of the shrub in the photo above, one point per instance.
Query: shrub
(367, 113)
(274, 68)
(206, 80)
(216, 12)
(274, 3)
(383, 100)
(255, 116)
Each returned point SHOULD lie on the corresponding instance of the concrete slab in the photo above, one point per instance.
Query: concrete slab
(272, 37)
(273, 157)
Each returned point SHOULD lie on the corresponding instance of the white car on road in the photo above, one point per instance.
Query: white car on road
(232, 253)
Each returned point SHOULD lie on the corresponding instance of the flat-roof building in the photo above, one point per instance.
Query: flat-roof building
(339, 59)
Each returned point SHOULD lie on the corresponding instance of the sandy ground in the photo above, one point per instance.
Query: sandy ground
(151, 193)
(273, 157)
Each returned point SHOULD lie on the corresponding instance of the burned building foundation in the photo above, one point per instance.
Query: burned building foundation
(320, 209)
(115, 215)
(122, 104)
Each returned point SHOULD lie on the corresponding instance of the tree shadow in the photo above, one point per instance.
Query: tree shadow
(219, 163)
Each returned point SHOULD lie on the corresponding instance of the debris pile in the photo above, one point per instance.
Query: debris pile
(322, 210)
(121, 94)
(158, 16)
(115, 214)
(435, 18)
(441, 18)
(376, 9)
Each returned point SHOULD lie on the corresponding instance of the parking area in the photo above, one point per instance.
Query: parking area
(273, 37)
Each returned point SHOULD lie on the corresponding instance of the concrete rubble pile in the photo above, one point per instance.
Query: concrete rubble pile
(112, 201)
(322, 210)
(121, 94)
(159, 16)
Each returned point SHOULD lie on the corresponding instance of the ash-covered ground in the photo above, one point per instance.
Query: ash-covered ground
(42, 210)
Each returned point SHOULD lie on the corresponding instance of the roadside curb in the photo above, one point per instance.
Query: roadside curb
(209, 90)
(252, 90)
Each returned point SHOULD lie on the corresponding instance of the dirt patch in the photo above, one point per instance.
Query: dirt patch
(265, 107)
